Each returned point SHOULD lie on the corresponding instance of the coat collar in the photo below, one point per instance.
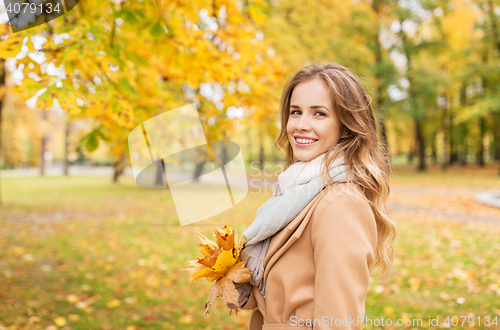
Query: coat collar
(288, 235)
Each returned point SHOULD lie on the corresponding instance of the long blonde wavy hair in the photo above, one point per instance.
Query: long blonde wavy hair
(363, 155)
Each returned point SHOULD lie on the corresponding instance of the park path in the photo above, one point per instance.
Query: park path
(487, 214)
(411, 199)
(457, 204)
(445, 194)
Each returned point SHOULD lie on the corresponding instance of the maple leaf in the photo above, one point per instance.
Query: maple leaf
(224, 261)
(224, 287)
(225, 238)
(210, 260)
(221, 265)
(196, 267)
(207, 246)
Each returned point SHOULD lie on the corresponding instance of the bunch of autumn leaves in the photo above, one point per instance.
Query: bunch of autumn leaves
(221, 264)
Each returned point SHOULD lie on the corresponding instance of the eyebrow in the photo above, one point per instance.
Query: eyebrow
(311, 107)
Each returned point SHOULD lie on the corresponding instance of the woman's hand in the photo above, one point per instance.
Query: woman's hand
(244, 289)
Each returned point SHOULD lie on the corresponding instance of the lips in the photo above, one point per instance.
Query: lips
(304, 144)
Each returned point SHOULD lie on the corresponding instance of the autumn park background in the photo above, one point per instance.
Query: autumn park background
(82, 246)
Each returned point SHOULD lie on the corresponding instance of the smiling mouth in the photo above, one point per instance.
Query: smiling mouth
(304, 142)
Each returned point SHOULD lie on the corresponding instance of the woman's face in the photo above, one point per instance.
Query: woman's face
(313, 126)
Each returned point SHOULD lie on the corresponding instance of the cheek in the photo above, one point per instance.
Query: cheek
(289, 127)
(327, 131)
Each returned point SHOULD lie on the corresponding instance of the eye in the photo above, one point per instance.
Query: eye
(293, 112)
(321, 113)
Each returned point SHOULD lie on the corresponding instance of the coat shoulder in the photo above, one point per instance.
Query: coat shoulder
(345, 205)
(345, 195)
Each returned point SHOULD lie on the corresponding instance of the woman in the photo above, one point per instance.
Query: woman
(314, 244)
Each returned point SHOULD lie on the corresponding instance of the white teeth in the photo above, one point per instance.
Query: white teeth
(305, 140)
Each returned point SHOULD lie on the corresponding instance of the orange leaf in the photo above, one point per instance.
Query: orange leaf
(225, 238)
(209, 261)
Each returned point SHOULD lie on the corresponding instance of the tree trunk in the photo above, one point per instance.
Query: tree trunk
(421, 145)
(463, 127)
(3, 72)
(224, 156)
(66, 147)
(159, 179)
(453, 151)
(444, 125)
(434, 149)
(385, 141)
(497, 139)
(118, 167)
(200, 163)
(463, 156)
(493, 20)
(261, 152)
(480, 154)
(198, 170)
(43, 142)
(496, 135)
(376, 6)
(410, 155)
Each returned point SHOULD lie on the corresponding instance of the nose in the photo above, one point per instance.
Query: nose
(303, 124)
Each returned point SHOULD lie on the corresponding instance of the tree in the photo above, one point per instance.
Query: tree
(121, 80)
(9, 47)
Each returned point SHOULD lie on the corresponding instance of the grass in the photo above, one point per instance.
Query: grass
(83, 253)
(456, 176)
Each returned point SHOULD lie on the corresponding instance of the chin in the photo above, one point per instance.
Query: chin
(305, 157)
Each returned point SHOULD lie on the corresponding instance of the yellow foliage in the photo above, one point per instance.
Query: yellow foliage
(113, 303)
(221, 264)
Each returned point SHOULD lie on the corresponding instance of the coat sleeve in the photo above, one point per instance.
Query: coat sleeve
(251, 302)
(344, 239)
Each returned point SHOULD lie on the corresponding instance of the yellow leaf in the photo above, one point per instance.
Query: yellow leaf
(60, 321)
(206, 272)
(113, 303)
(208, 247)
(186, 319)
(196, 267)
(95, 110)
(88, 309)
(388, 310)
(224, 262)
(72, 298)
(219, 257)
(18, 250)
(11, 47)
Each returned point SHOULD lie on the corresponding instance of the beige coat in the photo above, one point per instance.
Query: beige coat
(319, 266)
